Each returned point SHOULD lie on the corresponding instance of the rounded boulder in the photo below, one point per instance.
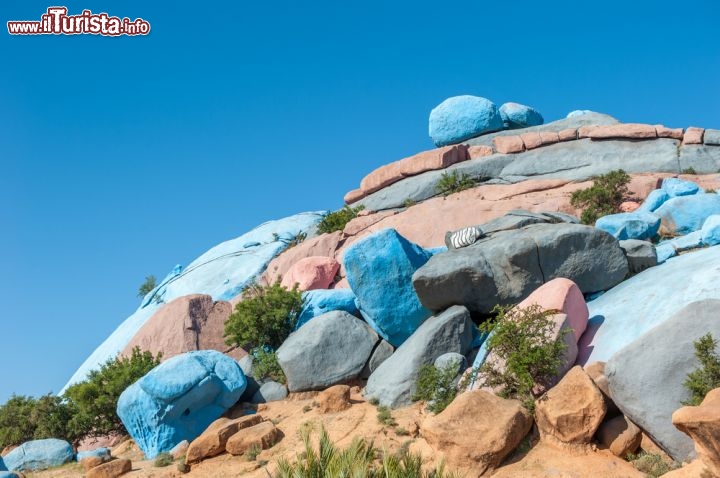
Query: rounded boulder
(515, 115)
(463, 117)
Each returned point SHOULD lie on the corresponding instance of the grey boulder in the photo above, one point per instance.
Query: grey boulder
(507, 266)
(394, 381)
(330, 349)
(270, 392)
(646, 376)
(640, 255)
(383, 351)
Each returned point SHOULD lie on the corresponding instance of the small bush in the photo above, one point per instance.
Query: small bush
(384, 416)
(436, 387)
(689, 170)
(603, 197)
(16, 420)
(652, 464)
(453, 182)
(163, 459)
(266, 366)
(183, 467)
(700, 381)
(401, 432)
(337, 220)
(147, 286)
(252, 453)
(265, 316)
(523, 340)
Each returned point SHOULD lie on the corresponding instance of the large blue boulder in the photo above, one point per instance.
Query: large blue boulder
(630, 225)
(684, 214)
(319, 301)
(711, 231)
(679, 187)
(39, 455)
(463, 117)
(654, 200)
(379, 269)
(179, 398)
(515, 115)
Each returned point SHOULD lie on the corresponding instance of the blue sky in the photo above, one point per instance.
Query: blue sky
(121, 157)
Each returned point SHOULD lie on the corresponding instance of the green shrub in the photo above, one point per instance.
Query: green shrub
(436, 387)
(409, 202)
(700, 381)
(603, 197)
(163, 459)
(384, 417)
(265, 316)
(361, 459)
(147, 286)
(523, 340)
(337, 220)
(16, 422)
(689, 170)
(652, 464)
(453, 182)
(94, 400)
(266, 366)
(51, 415)
(252, 452)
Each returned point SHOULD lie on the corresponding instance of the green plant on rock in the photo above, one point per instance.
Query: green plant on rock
(436, 386)
(524, 340)
(163, 459)
(337, 220)
(700, 381)
(689, 170)
(652, 464)
(266, 366)
(603, 197)
(147, 286)
(450, 183)
(384, 417)
(265, 316)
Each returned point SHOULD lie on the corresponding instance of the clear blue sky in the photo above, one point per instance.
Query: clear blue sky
(120, 157)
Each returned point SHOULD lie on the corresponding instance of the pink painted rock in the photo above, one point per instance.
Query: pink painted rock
(561, 295)
(311, 273)
(508, 144)
(622, 131)
(363, 221)
(479, 151)
(188, 323)
(693, 135)
(322, 245)
(568, 134)
(549, 137)
(425, 161)
(629, 206)
(664, 132)
(353, 196)
(531, 140)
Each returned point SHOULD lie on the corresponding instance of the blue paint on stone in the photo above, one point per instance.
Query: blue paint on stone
(39, 455)
(679, 187)
(320, 301)
(654, 200)
(515, 115)
(463, 117)
(630, 225)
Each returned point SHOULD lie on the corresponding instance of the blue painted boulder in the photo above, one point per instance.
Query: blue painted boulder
(463, 117)
(379, 269)
(685, 214)
(654, 200)
(515, 115)
(711, 231)
(576, 113)
(9, 474)
(679, 187)
(178, 399)
(630, 225)
(39, 455)
(320, 301)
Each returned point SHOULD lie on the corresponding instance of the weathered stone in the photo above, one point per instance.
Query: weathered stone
(354, 195)
(323, 245)
(620, 436)
(630, 225)
(702, 424)
(91, 462)
(515, 115)
(561, 295)
(685, 214)
(640, 255)
(665, 132)
(212, 441)
(572, 411)
(383, 350)
(596, 372)
(508, 144)
(462, 117)
(621, 131)
(38, 455)
(270, 392)
(569, 134)
(477, 431)
(712, 137)
(263, 436)
(111, 469)
(702, 159)
(479, 151)
(693, 135)
(316, 272)
(531, 140)
(334, 399)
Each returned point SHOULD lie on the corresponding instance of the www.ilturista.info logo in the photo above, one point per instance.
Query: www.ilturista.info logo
(57, 22)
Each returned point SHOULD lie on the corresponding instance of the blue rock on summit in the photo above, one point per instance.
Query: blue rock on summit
(39, 455)
(379, 269)
(178, 399)
(515, 115)
(463, 117)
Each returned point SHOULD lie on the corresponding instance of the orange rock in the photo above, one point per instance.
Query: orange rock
(572, 411)
(92, 461)
(620, 436)
(693, 135)
(479, 151)
(263, 435)
(664, 132)
(360, 223)
(549, 137)
(621, 130)
(561, 295)
(111, 469)
(508, 144)
(568, 134)
(322, 245)
(213, 440)
(310, 273)
(531, 140)
(596, 372)
(354, 195)
(702, 424)
(477, 431)
(629, 206)
(334, 399)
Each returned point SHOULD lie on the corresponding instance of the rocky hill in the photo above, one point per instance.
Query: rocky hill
(436, 241)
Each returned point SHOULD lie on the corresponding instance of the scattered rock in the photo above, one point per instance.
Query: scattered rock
(270, 392)
(213, 439)
(462, 117)
(330, 349)
(515, 115)
(477, 431)
(620, 436)
(179, 398)
(685, 214)
(316, 272)
(711, 230)
(451, 359)
(322, 301)
(323, 245)
(90, 462)
(702, 424)
(334, 399)
(659, 361)
(630, 225)
(39, 455)
(640, 255)
(111, 469)
(263, 435)
(379, 268)
(393, 383)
